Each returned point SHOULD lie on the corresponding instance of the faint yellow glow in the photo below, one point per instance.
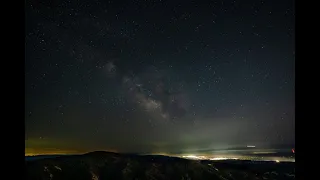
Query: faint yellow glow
(48, 151)
(47, 146)
(222, 158)
(161, 153)
(263, 152)
(54, 151)
(191, 157)
(277, 161)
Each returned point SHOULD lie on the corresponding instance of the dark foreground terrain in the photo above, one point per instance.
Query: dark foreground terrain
(104, 165)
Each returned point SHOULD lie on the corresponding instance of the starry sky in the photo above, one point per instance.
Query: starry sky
(158, 75)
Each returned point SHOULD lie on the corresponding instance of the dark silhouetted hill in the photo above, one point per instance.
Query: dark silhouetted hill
(106, 165)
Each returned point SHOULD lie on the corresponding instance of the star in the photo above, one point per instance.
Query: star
(108, 75)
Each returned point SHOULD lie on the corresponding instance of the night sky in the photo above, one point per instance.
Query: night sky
(158, 75)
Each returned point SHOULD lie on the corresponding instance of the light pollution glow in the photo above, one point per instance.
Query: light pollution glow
(34, 147)
(237, 157)
(36, 152)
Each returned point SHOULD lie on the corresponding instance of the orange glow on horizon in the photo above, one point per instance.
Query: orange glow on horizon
(35, 152)
(47, 151)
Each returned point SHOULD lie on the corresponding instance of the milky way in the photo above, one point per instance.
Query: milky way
(158, 76)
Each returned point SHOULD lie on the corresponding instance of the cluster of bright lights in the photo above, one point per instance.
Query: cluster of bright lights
(217, 158)
(194, 157)
(190, 156)
(222, 158)
(204, 157)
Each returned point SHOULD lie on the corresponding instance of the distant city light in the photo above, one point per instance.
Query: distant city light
(253, 157)
(222, 158)
(194, 157)
(190, 156)
(251, 146)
